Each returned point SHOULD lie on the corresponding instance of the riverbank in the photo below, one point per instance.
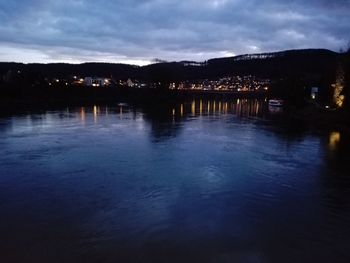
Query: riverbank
(73, 96)
(317, 117)
(311, 114)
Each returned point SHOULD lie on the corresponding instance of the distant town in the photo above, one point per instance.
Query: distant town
(229, 83)
(301, 78)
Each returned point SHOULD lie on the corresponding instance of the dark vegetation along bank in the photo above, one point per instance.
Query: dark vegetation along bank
(292, 73)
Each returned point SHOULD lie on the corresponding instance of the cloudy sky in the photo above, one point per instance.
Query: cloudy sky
(132, 31)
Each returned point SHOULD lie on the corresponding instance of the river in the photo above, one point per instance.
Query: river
(200, 181)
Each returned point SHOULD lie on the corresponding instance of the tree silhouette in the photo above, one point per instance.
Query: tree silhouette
(347, 78)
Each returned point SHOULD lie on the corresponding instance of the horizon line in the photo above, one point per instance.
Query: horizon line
(152, 62)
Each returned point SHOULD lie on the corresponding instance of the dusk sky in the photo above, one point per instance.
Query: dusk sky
(138, 32)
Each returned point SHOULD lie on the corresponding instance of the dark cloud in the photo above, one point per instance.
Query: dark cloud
(138, 31)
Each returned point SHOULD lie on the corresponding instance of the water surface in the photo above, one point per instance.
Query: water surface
(202, 181)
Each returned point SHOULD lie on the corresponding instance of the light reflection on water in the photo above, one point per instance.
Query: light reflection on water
(334, 140)
(239, 107)
(198, 181)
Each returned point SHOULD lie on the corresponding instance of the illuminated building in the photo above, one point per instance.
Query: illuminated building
(96, 82)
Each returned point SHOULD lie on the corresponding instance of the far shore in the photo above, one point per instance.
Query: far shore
(310, 114)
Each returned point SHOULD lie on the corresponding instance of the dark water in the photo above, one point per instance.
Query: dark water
(194, 182)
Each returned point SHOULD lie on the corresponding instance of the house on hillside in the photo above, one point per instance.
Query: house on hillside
(96, 82)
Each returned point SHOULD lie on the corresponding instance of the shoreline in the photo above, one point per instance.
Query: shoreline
(311, 115)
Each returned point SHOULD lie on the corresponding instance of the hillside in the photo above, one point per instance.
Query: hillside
(308, 62)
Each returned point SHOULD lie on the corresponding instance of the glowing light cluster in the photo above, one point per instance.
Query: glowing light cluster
(338, 98)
